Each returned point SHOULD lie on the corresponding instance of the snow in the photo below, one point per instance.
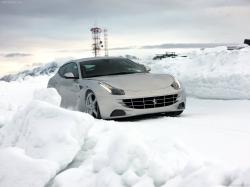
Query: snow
(41, 131)
(45, 131)
(214, 73)
(18, 93)
(42, 144)
(151, 152)
(48, 95)
(46, 69)
(18, 169)
(119, 159)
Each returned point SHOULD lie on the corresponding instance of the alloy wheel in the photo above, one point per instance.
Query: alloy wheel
(92, 105)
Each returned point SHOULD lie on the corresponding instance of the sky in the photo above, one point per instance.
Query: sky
(40, 31)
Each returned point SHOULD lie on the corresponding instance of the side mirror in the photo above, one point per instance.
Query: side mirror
(69, 75)
(148, 69)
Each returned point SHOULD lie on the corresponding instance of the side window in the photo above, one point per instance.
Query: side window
(87, 69)
(75, 70)
(70, 67)
(62, 70)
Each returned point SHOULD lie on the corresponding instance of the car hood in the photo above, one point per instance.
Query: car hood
(138, 81)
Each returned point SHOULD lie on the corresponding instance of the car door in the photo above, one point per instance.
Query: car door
(68, 86)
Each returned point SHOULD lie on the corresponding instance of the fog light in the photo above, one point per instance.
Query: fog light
(116, 113)
(181, 105)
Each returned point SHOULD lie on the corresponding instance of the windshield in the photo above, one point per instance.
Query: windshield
(114, 66)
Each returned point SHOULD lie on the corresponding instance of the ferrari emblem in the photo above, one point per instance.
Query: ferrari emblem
(154, 101)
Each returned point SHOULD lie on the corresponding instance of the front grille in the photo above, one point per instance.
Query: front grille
(150, 102)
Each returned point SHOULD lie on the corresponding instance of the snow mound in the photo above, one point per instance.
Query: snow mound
(112, 157)
(215, 73)
(49, 95)
(17, 94)
(47, 132)
(17, 169)
(40, 140)
(116, 158)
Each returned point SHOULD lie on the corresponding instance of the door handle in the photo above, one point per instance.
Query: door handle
(81, 87)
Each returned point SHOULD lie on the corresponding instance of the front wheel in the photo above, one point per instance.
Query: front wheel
(91, 105)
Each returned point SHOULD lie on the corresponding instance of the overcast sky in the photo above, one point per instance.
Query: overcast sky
(35, 31)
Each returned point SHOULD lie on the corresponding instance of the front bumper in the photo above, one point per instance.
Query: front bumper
(109, 103)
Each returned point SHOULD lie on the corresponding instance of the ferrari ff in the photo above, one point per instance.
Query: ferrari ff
(116, 87)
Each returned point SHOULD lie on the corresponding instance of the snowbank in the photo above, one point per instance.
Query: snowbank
(44, 133)
(115, 157)
(49, 95)
(18, 169)
(214, 73)
(47, 132)
(17, 94)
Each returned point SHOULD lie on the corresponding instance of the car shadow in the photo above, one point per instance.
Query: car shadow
(145, 117)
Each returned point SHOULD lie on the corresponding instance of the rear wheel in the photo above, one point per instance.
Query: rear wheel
(91, 105)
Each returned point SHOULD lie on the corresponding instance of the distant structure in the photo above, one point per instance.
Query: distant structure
(97, 43)
(105, 36)
(166, 55)
(247, 41)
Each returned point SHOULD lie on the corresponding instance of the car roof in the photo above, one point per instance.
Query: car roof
(95, 58)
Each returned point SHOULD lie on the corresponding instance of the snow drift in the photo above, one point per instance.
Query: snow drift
(18, 169)
(16, 94)
(41, 139)
(215, 73)
(45, 131)
(116, 158)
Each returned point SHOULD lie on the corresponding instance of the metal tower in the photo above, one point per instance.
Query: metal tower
(97, 43)
(105, 36)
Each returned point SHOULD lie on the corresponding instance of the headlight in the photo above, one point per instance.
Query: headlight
(176, 84)
(112, 90)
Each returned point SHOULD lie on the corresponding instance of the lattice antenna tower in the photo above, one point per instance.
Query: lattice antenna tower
(97, 43)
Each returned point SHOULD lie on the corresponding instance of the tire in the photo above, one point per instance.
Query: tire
(91, 105)
(174, 114)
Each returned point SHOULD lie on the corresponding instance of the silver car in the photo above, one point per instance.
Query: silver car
(115, 87)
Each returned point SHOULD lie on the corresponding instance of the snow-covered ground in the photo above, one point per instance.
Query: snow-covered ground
(42, 144)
